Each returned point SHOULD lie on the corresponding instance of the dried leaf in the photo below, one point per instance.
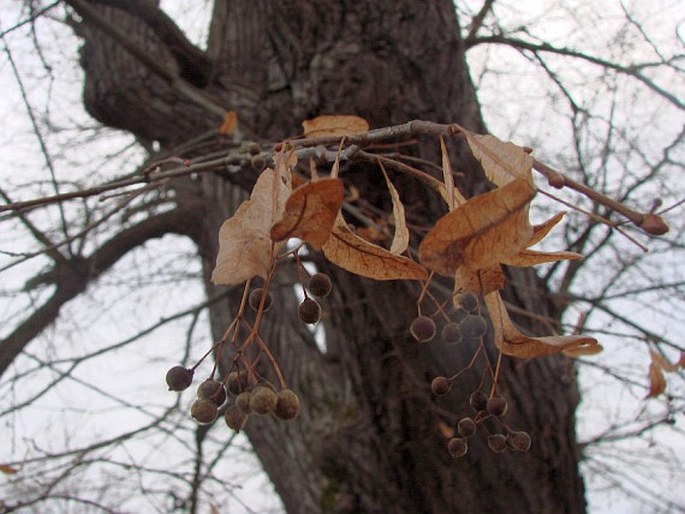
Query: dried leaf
(479, 282)
(229, 123)
(450, 194)
(502, 162)
(516, 344)
(358, 256)
(334, 125)
(310, 212)
(484, 231)
(8, 470)
(400, 240)
(540, 231)
(581, 351)
(665, 364)
(245, 246)
(531, 258)
(657, 380)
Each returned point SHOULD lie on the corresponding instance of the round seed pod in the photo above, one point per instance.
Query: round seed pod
(255, 299)
(468, 302)
(497, 406)
(179, 378)
(473, 326)
(422, 329)
(204, 411)
(263, 400)
(253, 148)
(519, 441)
(237, 381)
(466, 427)
(258, 163)
(450, 333)
(212, 390)
(287, 404)
(235, 418)
(309, 311)
(457, 447)
(441, 386)
(478, 401)
(497, 443)
(320, 285)
(242, 401)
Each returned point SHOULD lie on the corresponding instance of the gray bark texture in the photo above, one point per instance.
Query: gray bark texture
(369, 437)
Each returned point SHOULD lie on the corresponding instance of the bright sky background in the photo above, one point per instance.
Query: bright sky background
(516, 106)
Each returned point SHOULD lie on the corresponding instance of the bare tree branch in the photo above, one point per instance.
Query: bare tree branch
(630, 70)
(73, 278)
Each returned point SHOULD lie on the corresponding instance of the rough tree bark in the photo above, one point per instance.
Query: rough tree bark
(368, 439)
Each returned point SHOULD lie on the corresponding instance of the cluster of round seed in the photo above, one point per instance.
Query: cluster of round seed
(484, 407)
(470, 326)
(320, 286)
(260, 398)
(211, 395)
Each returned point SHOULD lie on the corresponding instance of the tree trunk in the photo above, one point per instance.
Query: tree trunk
(370, 437)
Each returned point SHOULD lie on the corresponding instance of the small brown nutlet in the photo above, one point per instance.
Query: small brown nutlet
(204, 411)
(212, 390)
(466, 427)
(258, 163)
(423, 329)
(469, 302)
(242, 401)
(497, 406)
(237, 381)
(457, 447)
(263, 400)
(235, 418)
(478, 401)
(253, 148)
(287, 405)
(320, 285)
(309, 311)
(441, 386)
(519, 441)
(473, 325)
(255, 299)
(450, 333)
(179, 378)
(497, 443)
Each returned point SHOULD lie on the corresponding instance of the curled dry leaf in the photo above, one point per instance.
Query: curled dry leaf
(502, 162)
(450, 194)
(334, 125)
(540, 231)
(7, 470)
(516, 344)
(665, 364)
(481, 233)
(352, 253)
(400, 240)
(245, 246)
(527, 258)
(657, 366)
(657, 380)
(582, 351)
(310, 212)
